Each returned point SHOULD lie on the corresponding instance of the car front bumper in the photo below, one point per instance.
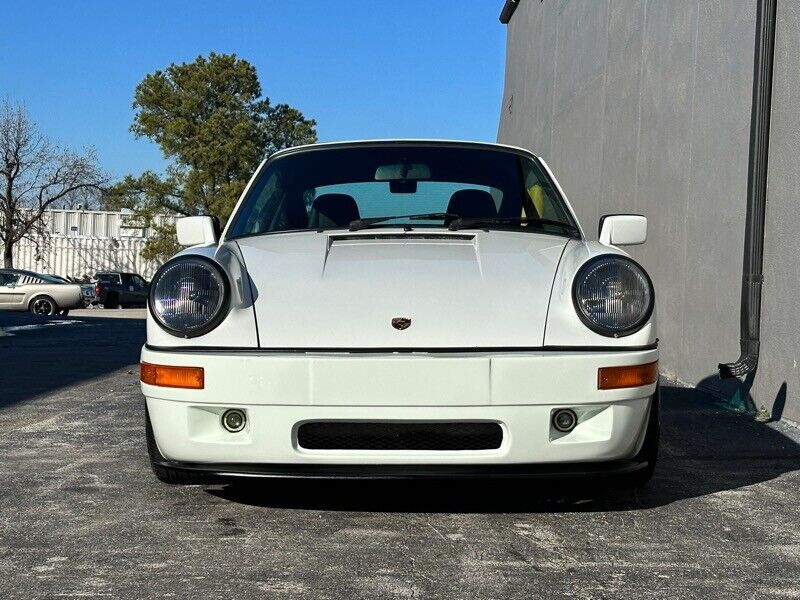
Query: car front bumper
(518, 390)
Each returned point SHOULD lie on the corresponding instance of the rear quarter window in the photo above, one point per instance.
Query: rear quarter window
(111, 278)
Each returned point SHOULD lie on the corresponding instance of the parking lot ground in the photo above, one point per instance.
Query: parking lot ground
(111, 313)
(81, 515)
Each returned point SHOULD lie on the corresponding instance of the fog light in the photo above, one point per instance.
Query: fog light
(564, 420)
(233, 420)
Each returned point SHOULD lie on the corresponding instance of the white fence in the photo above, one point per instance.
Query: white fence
(83, 242)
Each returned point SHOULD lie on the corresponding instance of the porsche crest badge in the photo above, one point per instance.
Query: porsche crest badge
(401, 323)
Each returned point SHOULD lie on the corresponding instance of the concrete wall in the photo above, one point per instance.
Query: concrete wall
(777, 381)
(644, 106)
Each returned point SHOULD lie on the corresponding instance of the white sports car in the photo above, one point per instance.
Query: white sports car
(402, 309)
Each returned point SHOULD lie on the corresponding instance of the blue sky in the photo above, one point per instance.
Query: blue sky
(362, 69)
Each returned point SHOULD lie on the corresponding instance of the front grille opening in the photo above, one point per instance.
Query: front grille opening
(365, 435)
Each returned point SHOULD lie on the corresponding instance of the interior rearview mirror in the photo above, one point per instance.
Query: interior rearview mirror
(196, 230)
(623, 230)
(402, 172)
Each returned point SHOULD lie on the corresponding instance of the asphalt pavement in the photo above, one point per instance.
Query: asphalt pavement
(81, 515)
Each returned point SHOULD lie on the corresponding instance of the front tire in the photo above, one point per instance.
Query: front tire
(166, 474)
(43, 305)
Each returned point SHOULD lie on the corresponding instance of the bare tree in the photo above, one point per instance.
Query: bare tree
(35, 174)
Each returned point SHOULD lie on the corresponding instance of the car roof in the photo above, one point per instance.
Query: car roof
(401, 142)
(20, 272)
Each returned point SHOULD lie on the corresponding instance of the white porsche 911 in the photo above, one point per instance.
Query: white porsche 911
(402, 309)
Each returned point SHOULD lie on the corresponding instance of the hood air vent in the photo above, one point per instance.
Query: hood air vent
(406, 237)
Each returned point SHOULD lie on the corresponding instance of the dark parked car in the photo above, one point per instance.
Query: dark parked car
(113, 289)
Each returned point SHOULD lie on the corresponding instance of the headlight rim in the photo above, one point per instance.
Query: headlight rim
(619, 333)
(215, 320)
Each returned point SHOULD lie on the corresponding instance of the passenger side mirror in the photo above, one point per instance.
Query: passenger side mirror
(196, 230)
(623, 230)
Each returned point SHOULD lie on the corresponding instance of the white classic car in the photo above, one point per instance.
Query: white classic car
(38, 293)
(402, 309)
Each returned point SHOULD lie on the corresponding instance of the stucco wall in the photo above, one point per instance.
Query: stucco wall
(777, 382)
(645, 107)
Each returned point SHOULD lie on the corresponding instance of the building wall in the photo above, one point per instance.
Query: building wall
(777, 382)
(644, 107)
(82, 242)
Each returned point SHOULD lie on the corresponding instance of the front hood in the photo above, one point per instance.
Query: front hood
(460, 290)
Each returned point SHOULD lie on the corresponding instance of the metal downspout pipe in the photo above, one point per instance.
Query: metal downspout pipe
(752, 271)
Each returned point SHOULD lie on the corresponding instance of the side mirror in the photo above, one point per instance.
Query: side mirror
(623, 230)
(196, 230)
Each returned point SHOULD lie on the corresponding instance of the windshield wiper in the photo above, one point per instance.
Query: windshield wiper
(462, 223)
(366, 223)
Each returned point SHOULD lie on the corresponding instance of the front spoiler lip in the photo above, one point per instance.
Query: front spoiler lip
(560, 471)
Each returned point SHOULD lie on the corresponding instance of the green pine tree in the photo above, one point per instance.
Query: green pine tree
(211, 121)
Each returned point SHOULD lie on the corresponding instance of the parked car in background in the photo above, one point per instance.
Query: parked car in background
(38, 293)
(402, 309)
(114, 289)
(87, 289)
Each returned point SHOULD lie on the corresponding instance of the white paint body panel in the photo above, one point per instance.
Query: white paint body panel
(323, 290)
(195, 230)
(278, 392)
(238, 329)
(564, 327)
(623, 230)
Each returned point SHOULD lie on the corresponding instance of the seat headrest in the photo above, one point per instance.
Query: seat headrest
(333, 210)
(472, 203)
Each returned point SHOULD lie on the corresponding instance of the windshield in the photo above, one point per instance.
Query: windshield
(410, 186)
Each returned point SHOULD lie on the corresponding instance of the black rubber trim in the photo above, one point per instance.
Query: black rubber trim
(373, 471)
(508, 9)
(218, 318)
(591, 324)
(483, 350)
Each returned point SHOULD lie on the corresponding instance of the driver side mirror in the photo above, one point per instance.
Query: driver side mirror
(196, 230)
(623, 230)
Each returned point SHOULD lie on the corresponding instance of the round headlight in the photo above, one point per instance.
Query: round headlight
(189, 296)
(613, 295)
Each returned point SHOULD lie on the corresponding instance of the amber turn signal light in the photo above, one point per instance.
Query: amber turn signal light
(613, 378)
(172, 376)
